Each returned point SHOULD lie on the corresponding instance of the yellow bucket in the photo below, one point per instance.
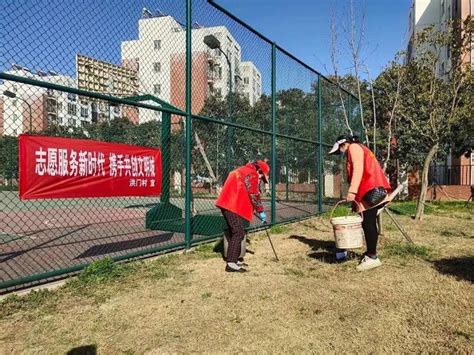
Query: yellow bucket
(348, 231)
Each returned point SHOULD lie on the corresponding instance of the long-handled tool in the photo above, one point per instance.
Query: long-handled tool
(397, 224)
(269, 239)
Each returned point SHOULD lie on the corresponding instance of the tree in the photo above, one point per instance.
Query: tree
(9, 158)
(386, 93)
(119, 130)
(435, 102)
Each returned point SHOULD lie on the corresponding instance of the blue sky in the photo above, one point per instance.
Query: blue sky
(47, 34)
(302, 27)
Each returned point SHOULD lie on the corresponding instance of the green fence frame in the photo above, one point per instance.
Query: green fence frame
(168, 110)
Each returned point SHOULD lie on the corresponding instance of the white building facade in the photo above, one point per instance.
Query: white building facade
(159, 56)
(251, 82)
(437, 13)
(35, 108)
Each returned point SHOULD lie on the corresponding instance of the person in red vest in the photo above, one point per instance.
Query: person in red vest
(238, 199)
(369, 187)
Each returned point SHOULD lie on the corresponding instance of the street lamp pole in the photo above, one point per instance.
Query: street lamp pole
(13, 95)
(213, 43)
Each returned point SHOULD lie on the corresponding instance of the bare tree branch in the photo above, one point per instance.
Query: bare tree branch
(374, 108)
(392, 115)
(334, 61)
(355, 46)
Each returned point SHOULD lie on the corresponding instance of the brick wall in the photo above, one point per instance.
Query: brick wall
(178, 83)
(442, 192)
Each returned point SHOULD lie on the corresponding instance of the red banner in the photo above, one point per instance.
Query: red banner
(52, 167)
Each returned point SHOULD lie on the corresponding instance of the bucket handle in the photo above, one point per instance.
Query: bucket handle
(342, 201)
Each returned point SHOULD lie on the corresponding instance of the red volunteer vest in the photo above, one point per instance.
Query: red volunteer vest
(234, 196)
(372, 175)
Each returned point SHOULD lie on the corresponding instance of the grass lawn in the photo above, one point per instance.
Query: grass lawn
(420, 300)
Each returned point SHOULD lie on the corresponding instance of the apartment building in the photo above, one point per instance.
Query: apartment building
(438, 13)
(99, 76)
(159, 56)
(251, 82)
(457, 170)
(30, 108)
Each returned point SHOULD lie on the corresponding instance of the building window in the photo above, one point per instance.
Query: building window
(157, 67)
(51, 105)
(15, 119)
(84, 112)
(246, 80)
(51, 119)
(15, 102)
(157, 89)
(71, 109)
(218, 72)
(157, 44)
(71, 97)
(60, 106)
(217, 52)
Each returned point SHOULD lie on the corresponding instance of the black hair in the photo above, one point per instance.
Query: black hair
(349, 138)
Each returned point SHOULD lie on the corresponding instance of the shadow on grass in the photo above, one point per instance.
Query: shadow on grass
(83, 350)
(462, 268)
(322, 250)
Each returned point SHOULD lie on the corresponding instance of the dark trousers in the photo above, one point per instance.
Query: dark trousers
(370, 230)
(235, 234)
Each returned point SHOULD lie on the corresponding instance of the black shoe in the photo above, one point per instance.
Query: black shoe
(229, 269)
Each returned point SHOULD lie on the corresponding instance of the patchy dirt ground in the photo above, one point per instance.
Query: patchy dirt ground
(420, 300)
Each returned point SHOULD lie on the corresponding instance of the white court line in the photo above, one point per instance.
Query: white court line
(15, 237)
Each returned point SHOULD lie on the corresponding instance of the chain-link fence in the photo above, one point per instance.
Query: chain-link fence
(186, 78)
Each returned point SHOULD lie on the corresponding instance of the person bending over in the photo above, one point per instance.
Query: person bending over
(238, 199)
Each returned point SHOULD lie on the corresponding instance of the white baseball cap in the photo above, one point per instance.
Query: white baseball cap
(335, 147)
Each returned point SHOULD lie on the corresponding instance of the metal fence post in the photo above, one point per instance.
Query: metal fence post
(320, 148)
(166, 157)
(287, 170)
(274, 157)
(230, 129)
(188, 193)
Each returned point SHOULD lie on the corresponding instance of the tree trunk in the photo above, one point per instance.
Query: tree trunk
(204, 156)
(420, 208)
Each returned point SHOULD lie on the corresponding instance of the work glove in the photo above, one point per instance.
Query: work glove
(263, 217)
